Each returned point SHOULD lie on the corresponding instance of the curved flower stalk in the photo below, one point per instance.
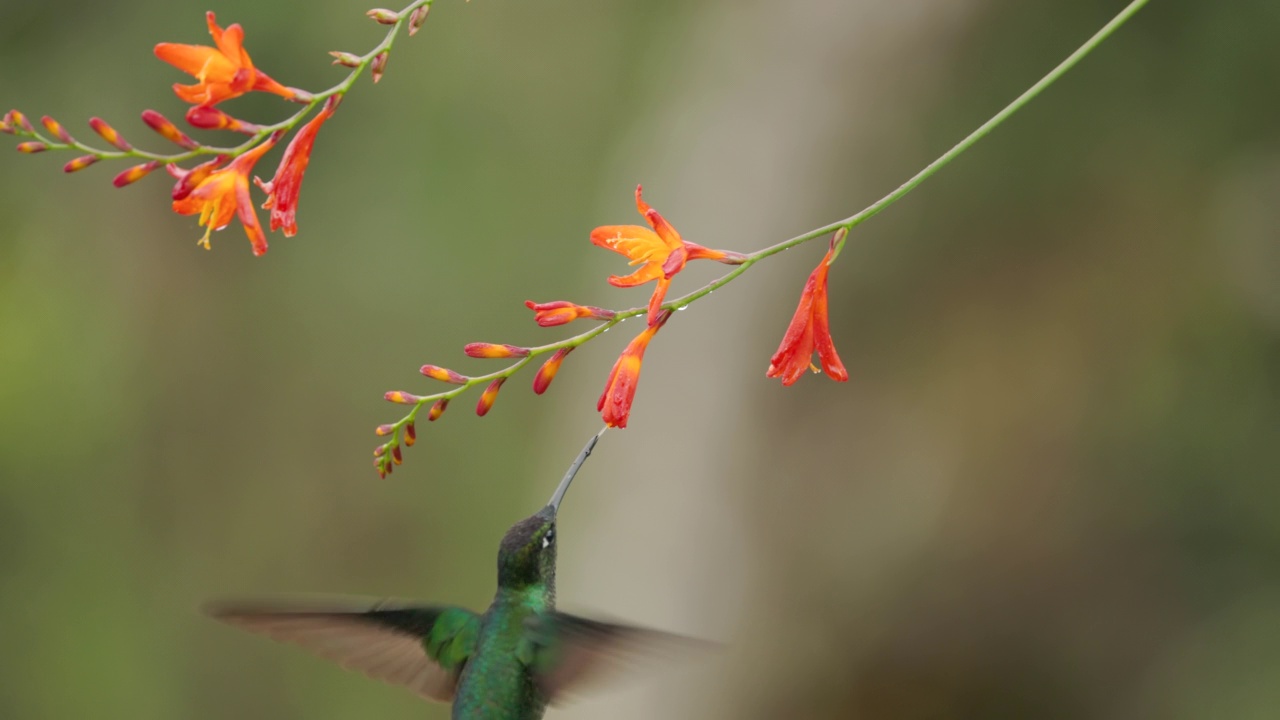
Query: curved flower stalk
(222, 72)
(661, 253)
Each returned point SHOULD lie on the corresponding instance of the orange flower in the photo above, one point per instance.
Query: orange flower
(562, 312)
(661, 252)
(615, 402)
(808, 332)
(222, 194)
(282, 191)
(223, 72)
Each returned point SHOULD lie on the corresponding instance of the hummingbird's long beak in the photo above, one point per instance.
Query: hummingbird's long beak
(558, 496)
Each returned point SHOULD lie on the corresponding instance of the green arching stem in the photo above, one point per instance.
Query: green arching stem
(846, 224)
(264, 131)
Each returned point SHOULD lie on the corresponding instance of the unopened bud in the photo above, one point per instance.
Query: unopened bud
(345, 59)
(384, 16)
(443, 375)
(418, 17)
(489, 396)
(548, 371)
(384, 430)
(135, 173)
(492, 351)
(17, 121)
(396, 455)
(209, 118)
(109, 134)
(55, 128)
(378, 66)
(410, 435)
(168, 130)
(402, 398)
(32, 147)
(438, 409)
(80, 163)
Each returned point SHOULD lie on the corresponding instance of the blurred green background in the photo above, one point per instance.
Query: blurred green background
(1050, 489)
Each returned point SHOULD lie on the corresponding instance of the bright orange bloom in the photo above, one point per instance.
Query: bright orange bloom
(808, 332)
(615, 402)
(561, 312)
(223, 194)
(660, 252)
(223, 72)
(282, 191)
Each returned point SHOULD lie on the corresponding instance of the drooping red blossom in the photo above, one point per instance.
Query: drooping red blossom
(222, 72)
(658, 249)
(223, 194)
(620, 390)
(561, 312)
(809, 332)
(282, 191)
(489, 397)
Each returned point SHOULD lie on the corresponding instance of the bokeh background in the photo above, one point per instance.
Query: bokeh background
(1049, 490)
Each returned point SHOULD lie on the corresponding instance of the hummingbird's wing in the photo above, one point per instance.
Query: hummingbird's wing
(420, 647)
(568, 653)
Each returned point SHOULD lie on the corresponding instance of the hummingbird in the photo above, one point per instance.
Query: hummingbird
(507, 663)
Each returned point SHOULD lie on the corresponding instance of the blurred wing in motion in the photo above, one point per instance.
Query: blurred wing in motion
(422, 648)
(571, 653)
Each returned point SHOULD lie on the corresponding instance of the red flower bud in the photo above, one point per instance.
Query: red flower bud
(168, 130)
(55, 128)
(402, 398)
(438, 409)
(378, 66)
(561, 312)
(135, 173)
(15, 120)
(443, 375)
(109, 134)
(384, 430)
(490, 395)
(345, 59)
(491, 351)
(410, 435)
(418, 17)
(396, 455)
(31, 148)
(210, 118)
(384, 16)
(548, 371)
(80, 163)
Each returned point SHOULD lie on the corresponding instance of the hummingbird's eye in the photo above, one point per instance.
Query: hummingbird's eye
(546, 539)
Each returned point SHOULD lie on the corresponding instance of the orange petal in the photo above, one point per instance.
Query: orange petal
(638, 244)
(192, 59)
(651, 271)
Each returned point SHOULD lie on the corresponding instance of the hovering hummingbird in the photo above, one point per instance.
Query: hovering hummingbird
(506, 664)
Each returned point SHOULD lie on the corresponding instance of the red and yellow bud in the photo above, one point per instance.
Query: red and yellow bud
(436, 372)
(378, 66)
(620, 390)
(418, 17)
(808, 332)
(396, 455)
(402, 398)
(168, 130)
(223, 72)
(438, 409)
(410, 435)
(384, 430)
(561, 312)
(285, 186)
(55, 128)
(32, 147)
(80, 163)
(108, 133)
(15, 121)
(489, 396)
(345, 59)
(384, 16)
(135, 173)
(211, 118)
(548, 371)
(188, 180)
(492, 351)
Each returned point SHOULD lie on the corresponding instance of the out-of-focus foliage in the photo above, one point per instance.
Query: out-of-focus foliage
(1049, 489)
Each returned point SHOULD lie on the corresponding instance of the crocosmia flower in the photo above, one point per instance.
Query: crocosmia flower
(223, 194)
(282, 191)
(807, 333)
(658, 249)
(222, 72)
(615, 402)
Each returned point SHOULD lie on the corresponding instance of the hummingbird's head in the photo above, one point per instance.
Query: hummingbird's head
(527, 555)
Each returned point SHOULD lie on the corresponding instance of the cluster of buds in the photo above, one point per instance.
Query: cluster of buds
(661, 253)
(218, 189)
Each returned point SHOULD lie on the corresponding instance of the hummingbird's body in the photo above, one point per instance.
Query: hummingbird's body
(507, 664)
